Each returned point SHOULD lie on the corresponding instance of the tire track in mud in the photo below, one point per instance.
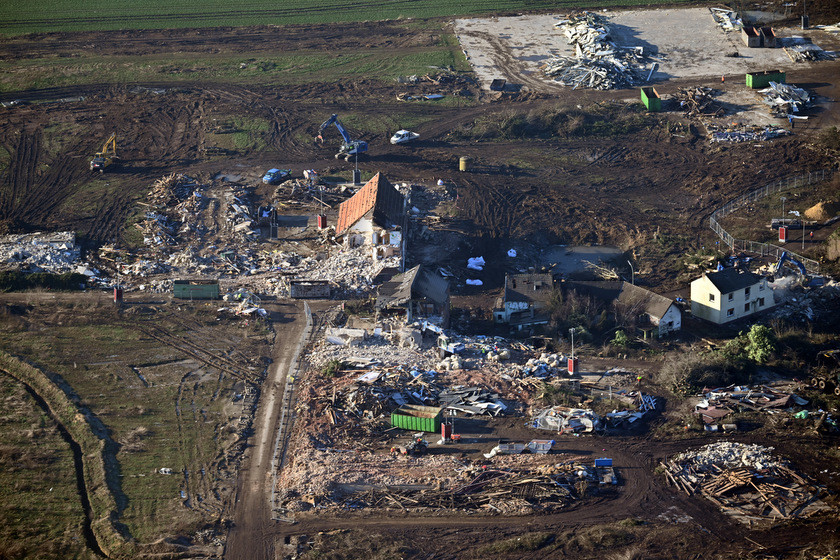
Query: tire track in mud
(21, 172)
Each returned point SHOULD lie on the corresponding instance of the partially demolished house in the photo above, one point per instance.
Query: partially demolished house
(728, 295)
(374, 216)
(525, 300)
(649, 310)
(419, 293)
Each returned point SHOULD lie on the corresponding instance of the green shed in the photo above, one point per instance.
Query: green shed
(651, 99)
(757, 80)
(417, 418)
(195, 289)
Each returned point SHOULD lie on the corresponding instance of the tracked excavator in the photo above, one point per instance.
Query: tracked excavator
(106, 156)
(350, 147)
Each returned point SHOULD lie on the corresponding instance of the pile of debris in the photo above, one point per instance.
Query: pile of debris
(644, 404)
(472, 488)
(719, 403)
(55, 252)
(563, 419)
(784, 98)
(746, 481)
(171, 190)
(727, 20)
(737, 132)
(807, 53)
(598, 62)
(699, 102)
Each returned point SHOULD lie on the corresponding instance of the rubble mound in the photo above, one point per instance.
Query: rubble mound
(823, 211)
(728, 455)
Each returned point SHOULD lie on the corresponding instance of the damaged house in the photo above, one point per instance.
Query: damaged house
(728, 295)
(633, 304)
(525, 300)
(419, 293)
(375, 216)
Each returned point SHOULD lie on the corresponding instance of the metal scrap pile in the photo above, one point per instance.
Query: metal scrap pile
(784, 98)
(598, 62)
(563, 419)
(699, 101)
(726, 19)
(746, 481)
(807, 52)
(745, 133)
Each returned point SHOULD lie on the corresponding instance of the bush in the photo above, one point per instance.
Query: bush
(331, 368)
(621, 339)
(17, 281)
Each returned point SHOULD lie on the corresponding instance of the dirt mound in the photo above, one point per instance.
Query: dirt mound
(822, 211)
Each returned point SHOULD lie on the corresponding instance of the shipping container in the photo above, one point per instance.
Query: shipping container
(651, 99)
(417, 418)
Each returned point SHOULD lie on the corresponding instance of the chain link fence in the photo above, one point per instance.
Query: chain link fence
(766, 249)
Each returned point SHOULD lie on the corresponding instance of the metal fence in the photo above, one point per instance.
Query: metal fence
(287, 414)
(766, 249)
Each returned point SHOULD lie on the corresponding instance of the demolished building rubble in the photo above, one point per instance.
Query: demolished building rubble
(746, 481)
(598, 62)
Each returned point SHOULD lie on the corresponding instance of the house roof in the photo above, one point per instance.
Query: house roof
(377, 195)
(414, 284)
(625, 293)
(529, 287)
(731, 280)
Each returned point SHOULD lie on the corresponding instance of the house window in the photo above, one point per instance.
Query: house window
(730, 312)
(761, 302)
(746, 292)
(730, 297)
(746, 308)
(711, 297)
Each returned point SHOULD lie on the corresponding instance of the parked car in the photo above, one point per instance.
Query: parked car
(274, 176)
(403, 136)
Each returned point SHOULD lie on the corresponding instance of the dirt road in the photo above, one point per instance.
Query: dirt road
(251, 518)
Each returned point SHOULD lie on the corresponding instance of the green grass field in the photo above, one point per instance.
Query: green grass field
(38, 16)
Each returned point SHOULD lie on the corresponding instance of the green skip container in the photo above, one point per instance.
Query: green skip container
(417, 418)
(651, 99)
(758, 80)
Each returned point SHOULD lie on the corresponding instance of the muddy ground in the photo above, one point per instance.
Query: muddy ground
(589, 183)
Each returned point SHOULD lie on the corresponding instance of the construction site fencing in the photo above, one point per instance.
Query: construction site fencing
(766, 249)
(287, 414)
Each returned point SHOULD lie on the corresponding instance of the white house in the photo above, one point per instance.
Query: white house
(729, 295)
(525, 301)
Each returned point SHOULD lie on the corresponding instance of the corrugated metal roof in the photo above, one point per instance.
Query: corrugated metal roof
(377, 195)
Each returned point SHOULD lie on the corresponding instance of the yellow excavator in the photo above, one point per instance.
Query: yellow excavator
(106, 156)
